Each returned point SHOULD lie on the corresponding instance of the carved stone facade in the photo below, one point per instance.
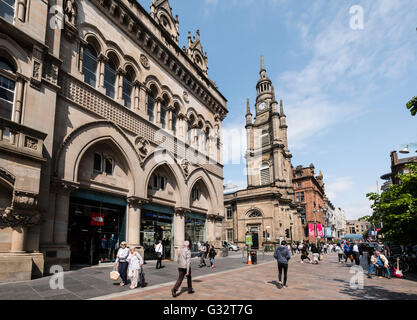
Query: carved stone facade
(266, 208)
(114, 130)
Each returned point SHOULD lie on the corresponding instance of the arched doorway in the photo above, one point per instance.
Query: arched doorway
(97, 210)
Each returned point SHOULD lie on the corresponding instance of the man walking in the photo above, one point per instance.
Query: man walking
(184, 269)
(356, 250)
(282, 254)
(159, 249)
(203, 253)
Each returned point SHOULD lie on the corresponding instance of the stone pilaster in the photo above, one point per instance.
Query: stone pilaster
(134, 218)
(179, 230)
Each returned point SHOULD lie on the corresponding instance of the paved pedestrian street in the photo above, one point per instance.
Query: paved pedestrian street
(327, 281)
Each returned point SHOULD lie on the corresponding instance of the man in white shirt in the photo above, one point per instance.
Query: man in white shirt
(159, 249)
(357, 252)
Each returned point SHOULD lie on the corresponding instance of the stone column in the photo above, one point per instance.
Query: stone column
(119, 85)
(134, 219)
(62, 213)
(21, 10)
(19, 98)
(136, 96)
(142, 100)
(210, 224)
(157, 111)
(169, 119)
(18, 239)
(179, 230)
(101, 65)
(82, 45)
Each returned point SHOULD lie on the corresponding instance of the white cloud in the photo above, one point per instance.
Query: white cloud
(344, 62)
(337, 187)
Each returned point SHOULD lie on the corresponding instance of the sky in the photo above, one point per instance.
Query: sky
(344, 89)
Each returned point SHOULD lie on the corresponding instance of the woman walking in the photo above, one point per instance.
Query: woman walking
(304, 255)
(339, 251)
(212, 256)
(282, 254)
(121, 260)
(203, 252)
(315, 252)
(135, 265)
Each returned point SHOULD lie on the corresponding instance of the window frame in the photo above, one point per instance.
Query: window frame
(229, 213)
(151, 117)
(14, 8)
(107, 84)
(101, 163)
(88, 53)
(10, 78)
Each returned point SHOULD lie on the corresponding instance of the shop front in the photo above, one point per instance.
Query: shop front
(96, 226)
(195, 230)
(157, 224)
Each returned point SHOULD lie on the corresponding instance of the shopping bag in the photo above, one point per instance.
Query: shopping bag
(351, 258)
(321, 257)
(142, 282)
(114, 275)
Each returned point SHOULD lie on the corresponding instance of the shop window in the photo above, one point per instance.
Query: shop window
(7, 90)
(110, 78)
(151, 108)
(7, 9)
(90, 63)
(109, 165)
(98, 163)
(229, 214)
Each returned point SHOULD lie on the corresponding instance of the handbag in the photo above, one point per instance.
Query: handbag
(142, 282)
(351, 258)
(114, 275)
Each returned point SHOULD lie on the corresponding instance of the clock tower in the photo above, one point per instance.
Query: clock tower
(268, 158)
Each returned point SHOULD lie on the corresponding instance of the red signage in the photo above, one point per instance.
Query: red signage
(97, 219)
(320, 230)
(311, 232)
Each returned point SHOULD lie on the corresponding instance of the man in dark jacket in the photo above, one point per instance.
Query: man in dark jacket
(282, 254)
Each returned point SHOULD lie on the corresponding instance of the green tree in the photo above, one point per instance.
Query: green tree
(412, 106)
(396, 208)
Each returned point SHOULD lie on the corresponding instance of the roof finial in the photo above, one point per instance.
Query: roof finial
(262, 63)
(281, 110)
(248, 105)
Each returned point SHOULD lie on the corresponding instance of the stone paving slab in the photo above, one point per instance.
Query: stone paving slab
(327, 281)
(87, 283)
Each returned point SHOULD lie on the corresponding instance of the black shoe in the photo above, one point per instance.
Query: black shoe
(191, 291)
(174, 294)
(369, 276)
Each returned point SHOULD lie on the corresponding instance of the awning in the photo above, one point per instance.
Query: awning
(353, 236)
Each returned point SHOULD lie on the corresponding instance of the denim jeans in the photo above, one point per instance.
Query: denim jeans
(372, 267)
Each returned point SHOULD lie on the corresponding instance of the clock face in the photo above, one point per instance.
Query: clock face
(262, 106)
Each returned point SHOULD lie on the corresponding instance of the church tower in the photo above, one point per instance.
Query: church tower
(268, 158)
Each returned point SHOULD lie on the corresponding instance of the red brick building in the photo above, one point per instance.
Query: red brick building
(309, 193)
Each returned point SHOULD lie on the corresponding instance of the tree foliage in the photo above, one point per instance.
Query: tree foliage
(396, 208)
(412, 106)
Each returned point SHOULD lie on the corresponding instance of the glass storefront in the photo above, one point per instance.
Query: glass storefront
(96, 226)
(195, 230)
(157, 224)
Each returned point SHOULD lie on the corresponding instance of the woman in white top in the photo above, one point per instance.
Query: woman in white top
(135, 264)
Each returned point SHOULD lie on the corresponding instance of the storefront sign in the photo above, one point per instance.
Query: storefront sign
(328, 232)
(319, 230)
(311, 232)
(97, 219)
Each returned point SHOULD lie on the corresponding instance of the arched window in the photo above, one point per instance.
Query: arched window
(128, 87)
(200, 135)
(151, 104)
(164, 109)
(110, 78)
(174, 119)
(90, 63)
(190, 129)
(254, 214)
(7, 9)
(264, 174)
(195, 194)
(7, 89)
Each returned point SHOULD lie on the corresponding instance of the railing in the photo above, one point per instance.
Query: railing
(18, 138)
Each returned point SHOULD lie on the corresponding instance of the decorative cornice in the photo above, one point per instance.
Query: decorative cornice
(24, 200)
(180, 211)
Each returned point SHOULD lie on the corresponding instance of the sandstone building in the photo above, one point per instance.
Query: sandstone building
(109, 131)
(310, 194)
(266, 208)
